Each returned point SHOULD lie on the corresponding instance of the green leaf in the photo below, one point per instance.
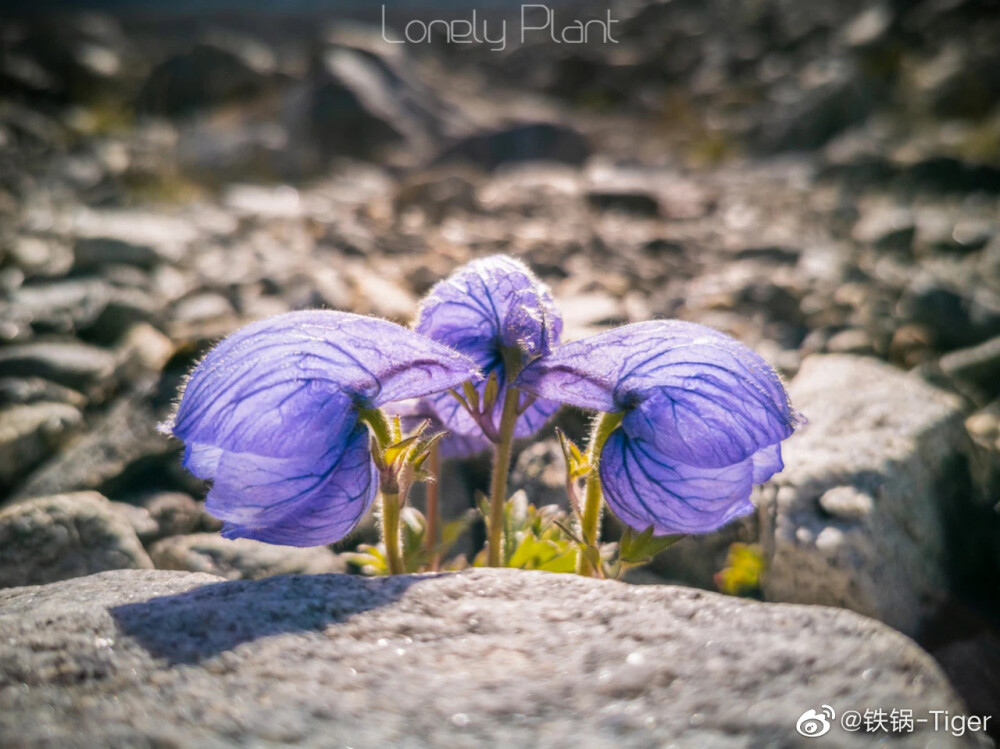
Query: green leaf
(395, 453)
(414, 529)
(369, 559)
(423, 449)
(577, 465)
(483, 503)
(742, 574)
(563, 563)
(452, 530)
(635, 549)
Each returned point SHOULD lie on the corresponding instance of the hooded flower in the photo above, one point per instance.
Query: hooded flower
(272, 417)
(497, 313)
(702, 420)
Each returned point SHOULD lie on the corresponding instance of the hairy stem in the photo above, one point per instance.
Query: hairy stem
(379, 424)
(390, 530)
(433, 514)
(498, 483)
(393, 492)
(590, 520)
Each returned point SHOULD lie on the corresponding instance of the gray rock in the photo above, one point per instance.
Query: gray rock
(585, 314)
(203, 306)
(361, 100)
(850, 341)
(857, 518)
(60, 307)
(438, 194)
(387, 89)
(217, 69)
(944, 231)
(868, 28)
(240, 559)
(481, 658)
(16, 391)
(125, 308)
(143, 350)
(632, 202)
(959, 317)
(93, 252)
(129, 237)
(122, 445)
(887, 229)
(531, 141)
(175, 513)
(827, 98)
(376, 294)
(145, 527)
(960, 81)
(979, 365)
(68, 535)
(80, 366)
(984, 430)
(30, 433)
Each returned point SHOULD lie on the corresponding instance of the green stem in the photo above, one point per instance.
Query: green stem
(433, 512)
(379, 424)
(590, 521)
(390, 530)
(501, 467)
(386, 433)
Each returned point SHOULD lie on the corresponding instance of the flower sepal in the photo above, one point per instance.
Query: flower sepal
(638, 548)
(481, 407)
(400, 458)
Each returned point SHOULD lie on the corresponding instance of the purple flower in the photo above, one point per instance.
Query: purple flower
(497, 313)
(702, 420)
(272, 417)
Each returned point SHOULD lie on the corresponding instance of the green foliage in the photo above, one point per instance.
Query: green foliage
(371, 560)
(636, 549)
(742, 574)
(534, 537)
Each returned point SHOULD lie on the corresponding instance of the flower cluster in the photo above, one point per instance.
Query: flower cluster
(301, 419)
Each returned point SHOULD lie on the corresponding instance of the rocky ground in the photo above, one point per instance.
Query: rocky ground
(822, 181)
(333, 660)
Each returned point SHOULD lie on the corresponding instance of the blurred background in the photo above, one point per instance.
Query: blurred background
(812, 177)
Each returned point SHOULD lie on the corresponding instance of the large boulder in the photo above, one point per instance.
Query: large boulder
(54, 538)
(480, 658)
(860, 515)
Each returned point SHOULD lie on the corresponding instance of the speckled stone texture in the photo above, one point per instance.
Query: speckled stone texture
(859, 517)
(497, 658)
(46, 539)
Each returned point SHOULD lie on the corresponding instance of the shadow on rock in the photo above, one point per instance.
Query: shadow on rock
(201, 623)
